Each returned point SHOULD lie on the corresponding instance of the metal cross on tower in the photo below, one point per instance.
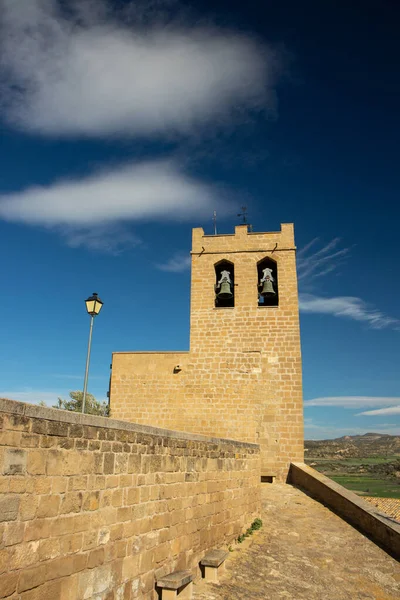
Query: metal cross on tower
(243, 214)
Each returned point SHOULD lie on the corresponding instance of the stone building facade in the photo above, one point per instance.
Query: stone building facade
(241, 378)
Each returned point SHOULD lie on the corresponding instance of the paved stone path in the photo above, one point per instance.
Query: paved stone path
(304, 551)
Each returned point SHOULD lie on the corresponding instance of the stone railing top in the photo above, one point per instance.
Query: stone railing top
(350, 496)
(152, 352)
(65, 416)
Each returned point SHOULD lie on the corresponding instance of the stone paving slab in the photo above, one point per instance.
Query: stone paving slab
(304, 551)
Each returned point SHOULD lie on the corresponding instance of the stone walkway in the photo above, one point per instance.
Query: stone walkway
(304, 551)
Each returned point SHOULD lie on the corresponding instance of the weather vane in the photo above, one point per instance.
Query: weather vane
(243, 214)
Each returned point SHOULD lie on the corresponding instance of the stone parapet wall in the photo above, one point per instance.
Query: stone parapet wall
(380, 528)
(93, 508)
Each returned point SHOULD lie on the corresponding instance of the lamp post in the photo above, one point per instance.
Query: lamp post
(93, 307)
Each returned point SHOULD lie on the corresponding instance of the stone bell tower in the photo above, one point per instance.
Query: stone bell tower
(248, 353)
(242, 376)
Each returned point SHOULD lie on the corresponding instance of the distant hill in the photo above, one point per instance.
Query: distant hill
(360, 446)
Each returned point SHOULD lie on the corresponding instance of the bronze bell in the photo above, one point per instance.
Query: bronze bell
(268, 288)
(225, 291)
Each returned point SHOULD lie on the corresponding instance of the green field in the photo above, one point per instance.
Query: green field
(372, 483)
(368, 486)
(371, 460)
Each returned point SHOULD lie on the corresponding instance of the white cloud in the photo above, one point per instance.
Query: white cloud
(144, 191)
(353, 401)
(86, 70)
(348, 307)
(176, 264)
(391, 410)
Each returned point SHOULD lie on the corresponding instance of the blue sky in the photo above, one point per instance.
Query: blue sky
(124, 125)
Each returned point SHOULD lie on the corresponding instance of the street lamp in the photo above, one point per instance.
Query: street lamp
(93, 307)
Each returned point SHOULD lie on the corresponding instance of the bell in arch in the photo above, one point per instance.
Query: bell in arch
(266, 283)
(224, 286)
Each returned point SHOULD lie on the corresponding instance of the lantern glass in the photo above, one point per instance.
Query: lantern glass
(94, 305)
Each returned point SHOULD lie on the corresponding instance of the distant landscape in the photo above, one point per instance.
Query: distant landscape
(368, 464)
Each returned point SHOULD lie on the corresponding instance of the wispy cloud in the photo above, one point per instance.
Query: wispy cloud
(348, 307)
(318, 263)
(84, 68)
(144, 191)
(77, 377)
(176, 264)
(110, 239)
(353, 401)
(31, 396)
(391, 410)
(314, 263)
(315, 431)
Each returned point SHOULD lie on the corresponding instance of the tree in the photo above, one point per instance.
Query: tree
(92, 406)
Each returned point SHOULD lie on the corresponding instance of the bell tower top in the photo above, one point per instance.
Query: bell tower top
(244, 271)
(244, 240)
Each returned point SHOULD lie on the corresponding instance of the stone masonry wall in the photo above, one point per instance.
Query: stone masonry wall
(145, 389)
(95, 509)
(242, 377)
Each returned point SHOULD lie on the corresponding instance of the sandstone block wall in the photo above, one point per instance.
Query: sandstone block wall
(146, 389)
(94, 509)
(242, 378)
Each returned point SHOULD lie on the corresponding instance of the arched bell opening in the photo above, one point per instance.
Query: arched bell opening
(267, 283)
(224, 284)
